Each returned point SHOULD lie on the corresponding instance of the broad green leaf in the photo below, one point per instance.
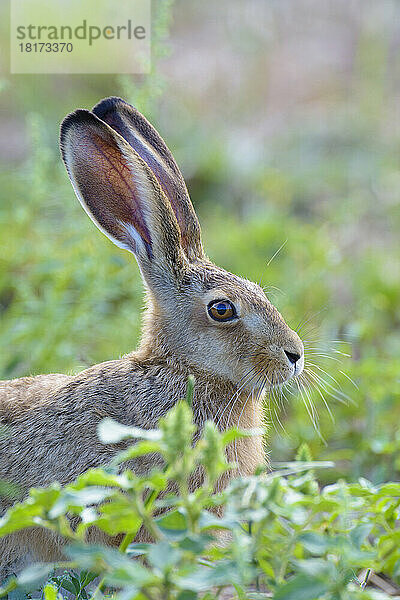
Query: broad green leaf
(187, 595)
(8, 586)
(196, 543)
(208, 520)
(113, 521)
(302, 587)
(120, 569)
(315, 543)
(389, 489)
(138, 449)
(234, 434)
(74, 501)
(203, 578)
(317, 567)
(173, 524)
(100, 477)
(69, 586)
(163, 556)
(112, 432)
(359, 534)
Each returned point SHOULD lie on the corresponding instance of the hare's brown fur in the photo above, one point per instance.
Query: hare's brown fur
(45, 422)
(129, 184)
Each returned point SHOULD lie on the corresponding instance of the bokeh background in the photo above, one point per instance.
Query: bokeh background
(284, 118)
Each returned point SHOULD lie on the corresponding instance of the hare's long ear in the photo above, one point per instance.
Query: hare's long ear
(145, 140)
(121, 195)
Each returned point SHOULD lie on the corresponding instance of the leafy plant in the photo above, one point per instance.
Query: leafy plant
(272, 532)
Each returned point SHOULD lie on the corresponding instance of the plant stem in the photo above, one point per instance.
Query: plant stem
(129, 537)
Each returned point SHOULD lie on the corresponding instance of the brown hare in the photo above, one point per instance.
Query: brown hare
(199, 319)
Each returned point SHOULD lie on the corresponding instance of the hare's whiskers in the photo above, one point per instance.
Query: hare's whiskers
(272, 394)
(322, 355)
(310, 409)
(223, 407)
(316, 385)
(238, 396)
(250, 376)
(336, 390)
(300, 389)
(350, 379)
(242, 380)
(304, 321)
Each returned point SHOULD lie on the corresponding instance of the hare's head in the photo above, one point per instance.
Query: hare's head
(130, 185)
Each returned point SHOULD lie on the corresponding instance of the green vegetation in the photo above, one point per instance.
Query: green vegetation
(326, 195)
(278, 533)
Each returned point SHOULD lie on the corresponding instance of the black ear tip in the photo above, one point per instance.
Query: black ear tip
(79, 116)
(109, 104)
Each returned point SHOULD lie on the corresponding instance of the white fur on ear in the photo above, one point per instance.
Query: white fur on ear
(135, 243)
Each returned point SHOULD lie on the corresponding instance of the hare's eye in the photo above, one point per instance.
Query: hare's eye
(221, 310)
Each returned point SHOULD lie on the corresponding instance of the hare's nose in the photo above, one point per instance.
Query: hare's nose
(292, 356)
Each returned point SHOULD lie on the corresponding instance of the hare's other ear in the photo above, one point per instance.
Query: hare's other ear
(120, 194)
(145, 140)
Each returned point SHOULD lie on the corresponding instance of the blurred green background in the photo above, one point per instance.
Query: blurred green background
(284, 118)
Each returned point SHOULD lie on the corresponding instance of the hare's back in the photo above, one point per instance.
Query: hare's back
(27, 393)
(51, 421)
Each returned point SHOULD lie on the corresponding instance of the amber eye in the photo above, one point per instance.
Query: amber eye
(221, 310)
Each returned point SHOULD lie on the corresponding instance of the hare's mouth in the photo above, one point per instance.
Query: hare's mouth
(270, 374)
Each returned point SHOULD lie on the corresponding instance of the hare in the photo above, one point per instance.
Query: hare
(199, 319)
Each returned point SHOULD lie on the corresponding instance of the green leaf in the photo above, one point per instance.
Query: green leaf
(138, 449)
(236, 434)
(28, 513)
(173, 524)
(69, 585)
(316, 567)
(138, 549)
(100, 477)
(196, 543)
(190, 390)
(34, 575)
(74, 501)
(187, 595)
(120, 569)
(163, 556)
(389, 489)
(177, 431)
(359, 534)
(87, 577)
(10, 585)
(315, 543)
(302, 587)
(202, 578)
(208, 520)
(112, 432)
(117, 517)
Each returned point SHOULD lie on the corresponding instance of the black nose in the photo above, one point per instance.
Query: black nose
(292, 356)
